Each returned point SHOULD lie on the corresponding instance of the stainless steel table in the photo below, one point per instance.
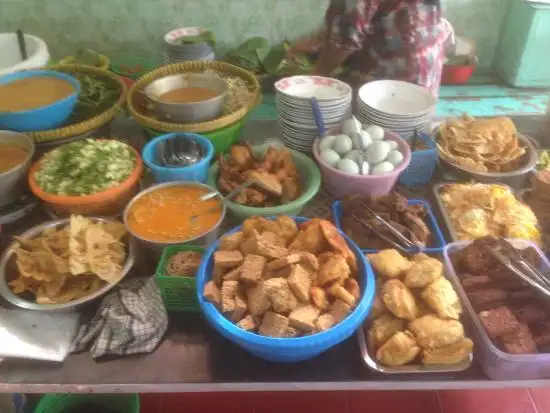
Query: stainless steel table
(194, 358)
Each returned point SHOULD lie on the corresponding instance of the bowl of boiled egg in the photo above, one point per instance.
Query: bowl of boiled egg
(363, 159)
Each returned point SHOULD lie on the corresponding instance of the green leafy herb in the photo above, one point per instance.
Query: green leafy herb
(206, 37)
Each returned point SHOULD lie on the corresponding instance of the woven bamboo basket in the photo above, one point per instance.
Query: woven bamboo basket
(95, 122)
(137, 102)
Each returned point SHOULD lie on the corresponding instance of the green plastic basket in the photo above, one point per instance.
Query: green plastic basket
(178, 293)
(222, 139)
(64, 403)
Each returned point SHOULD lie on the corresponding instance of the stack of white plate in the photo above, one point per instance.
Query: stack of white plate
(176, 50)
(293, 99)
(395, 105)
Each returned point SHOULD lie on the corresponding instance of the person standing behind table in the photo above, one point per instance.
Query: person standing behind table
(389, 39)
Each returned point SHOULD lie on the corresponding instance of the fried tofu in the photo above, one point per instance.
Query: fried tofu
(303, 318)
(271, 252)
(231, 242)
(228, 293)
(399, 300)
(452, 354)
(241, 306)
(273, 238)
(333, 269)
(212, 293)
(283, 262)
(282, 298)
(433, 332)
(300, 283)
(293, 332)
(389, 263)
(273, 325)
(442, 297)
(253, 268)
(399, 350)
(352, 286)
(228, 259)
(280, 273)
(258, 300)
(319, 298)
(325, 322)
(234, 274)
(340, 292)
(339, 310)
(250, 243)
(267, 182)
(217, 275)
(248, 323)
(423, 272)
(383, 328)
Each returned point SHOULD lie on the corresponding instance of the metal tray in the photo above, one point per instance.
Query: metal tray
(443, 210)
(408, 369)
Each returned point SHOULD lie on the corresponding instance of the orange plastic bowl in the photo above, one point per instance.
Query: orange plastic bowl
(110, 202)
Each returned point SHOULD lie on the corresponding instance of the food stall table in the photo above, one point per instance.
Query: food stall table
(195, 358)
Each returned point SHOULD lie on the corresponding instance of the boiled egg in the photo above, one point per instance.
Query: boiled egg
(348, 166)
(326, 142)
(382, 168)
(330, 156)
(376, 132)
(362, 140)
(342, 144)
(354, 155)
(364, 168)
(393, 144)
(395, 157)
(350, 126)
(377, 152)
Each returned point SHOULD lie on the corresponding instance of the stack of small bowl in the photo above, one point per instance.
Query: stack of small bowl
(177, 50)
(398, 106)
(293, 99)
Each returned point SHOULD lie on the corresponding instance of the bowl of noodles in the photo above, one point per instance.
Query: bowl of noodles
(63, 264)
(486, 150)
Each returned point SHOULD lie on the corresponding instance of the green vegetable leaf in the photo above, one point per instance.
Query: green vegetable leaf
(206, 37)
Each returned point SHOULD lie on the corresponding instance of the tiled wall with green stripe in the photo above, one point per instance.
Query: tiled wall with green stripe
(136, 27)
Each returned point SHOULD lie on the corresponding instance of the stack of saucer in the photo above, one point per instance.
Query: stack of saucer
(398, 106)
(177, 50)
(293, 99)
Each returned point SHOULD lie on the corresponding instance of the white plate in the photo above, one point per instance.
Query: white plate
(306, 105)
(396, 97)
(306, 87)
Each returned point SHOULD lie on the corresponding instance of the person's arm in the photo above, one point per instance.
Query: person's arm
(346, 23)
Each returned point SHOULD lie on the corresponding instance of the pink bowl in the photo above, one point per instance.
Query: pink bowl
(339, 184)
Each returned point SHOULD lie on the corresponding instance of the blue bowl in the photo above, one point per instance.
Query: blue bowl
(46, 117)
(197, 172)
(438, 243)
(288, 350)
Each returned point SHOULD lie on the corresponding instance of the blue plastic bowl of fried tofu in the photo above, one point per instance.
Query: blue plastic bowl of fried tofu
(288, 349)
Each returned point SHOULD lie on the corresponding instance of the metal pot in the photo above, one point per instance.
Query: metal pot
(514, 179)
(7, 265)
(156, 247)
(12, 182)
(186, 112)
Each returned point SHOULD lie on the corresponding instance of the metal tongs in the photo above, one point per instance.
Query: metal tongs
(520, 266)
(401, 242)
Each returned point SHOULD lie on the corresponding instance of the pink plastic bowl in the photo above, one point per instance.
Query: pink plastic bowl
(340, 184)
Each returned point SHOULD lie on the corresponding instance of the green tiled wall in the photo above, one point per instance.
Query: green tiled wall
(136, 27)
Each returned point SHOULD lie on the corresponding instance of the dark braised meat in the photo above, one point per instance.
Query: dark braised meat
(394, 208)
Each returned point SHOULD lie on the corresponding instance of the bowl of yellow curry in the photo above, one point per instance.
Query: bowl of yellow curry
(36, 100)
(172, 214)
(16, 152)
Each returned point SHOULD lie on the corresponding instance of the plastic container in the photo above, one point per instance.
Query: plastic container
(46, 117)
(310, 182)
(65, 403)
(38, 55)
(457, 74)
(110, 202)
(197, 172)
(286, 350)
(438, 244)
(178, 293)
(340, 184)
(12, 182)
(222, 139)
(495, 363)
(423, 164)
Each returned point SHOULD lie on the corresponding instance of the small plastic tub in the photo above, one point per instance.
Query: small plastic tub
(197, 172)
(288, 350)
(495, 363)
(438, 244)
(340, 184)
(45, 117)
(423, 164)
(110, 202)
(178, 292)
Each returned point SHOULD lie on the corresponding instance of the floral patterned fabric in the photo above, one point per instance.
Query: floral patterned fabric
(392, 39)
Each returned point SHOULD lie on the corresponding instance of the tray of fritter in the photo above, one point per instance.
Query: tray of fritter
(415, 324)
(510, 318)
(472, 210)
(413, 218)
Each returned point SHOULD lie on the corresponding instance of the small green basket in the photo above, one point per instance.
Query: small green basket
(178, 293)
(64, 403)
